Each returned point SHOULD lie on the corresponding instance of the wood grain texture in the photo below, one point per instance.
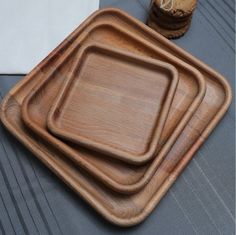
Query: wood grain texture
(117, 208)
(115, 103)
(115, 174)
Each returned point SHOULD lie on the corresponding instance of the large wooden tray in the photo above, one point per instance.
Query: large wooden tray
(115, 102)
(120, 177)
(124, 210)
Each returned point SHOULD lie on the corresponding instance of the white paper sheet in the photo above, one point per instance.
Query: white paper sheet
(30, 29)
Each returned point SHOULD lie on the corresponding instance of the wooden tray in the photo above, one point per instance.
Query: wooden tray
(123, 210)
(120, 177)
(115, 102)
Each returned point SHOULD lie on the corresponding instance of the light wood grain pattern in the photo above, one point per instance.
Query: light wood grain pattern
(115, 103)
(119, 209)
(120, 177)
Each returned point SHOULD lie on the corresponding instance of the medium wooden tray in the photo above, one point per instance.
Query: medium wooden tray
(120, 177)
(115, 102)
(121, 209)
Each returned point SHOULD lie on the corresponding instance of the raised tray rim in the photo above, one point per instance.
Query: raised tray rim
(110, 151)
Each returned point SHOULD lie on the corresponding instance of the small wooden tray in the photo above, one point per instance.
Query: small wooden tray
(115, 103)
(115, 174)
(120, 209)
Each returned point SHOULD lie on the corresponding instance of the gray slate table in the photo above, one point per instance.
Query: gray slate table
(34, 201)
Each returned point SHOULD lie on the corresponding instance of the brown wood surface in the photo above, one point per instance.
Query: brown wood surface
(120, 177)
(124, 210)
(115, 103)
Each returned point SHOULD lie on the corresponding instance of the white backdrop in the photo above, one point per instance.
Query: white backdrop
(30, 29)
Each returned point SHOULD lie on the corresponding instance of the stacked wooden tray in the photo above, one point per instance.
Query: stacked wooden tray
(117, 112)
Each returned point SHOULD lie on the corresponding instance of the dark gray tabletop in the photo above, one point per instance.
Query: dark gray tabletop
(202, 201)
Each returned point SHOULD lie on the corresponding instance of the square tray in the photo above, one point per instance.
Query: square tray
(119, 176)
(115, 103)
(117, 208)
